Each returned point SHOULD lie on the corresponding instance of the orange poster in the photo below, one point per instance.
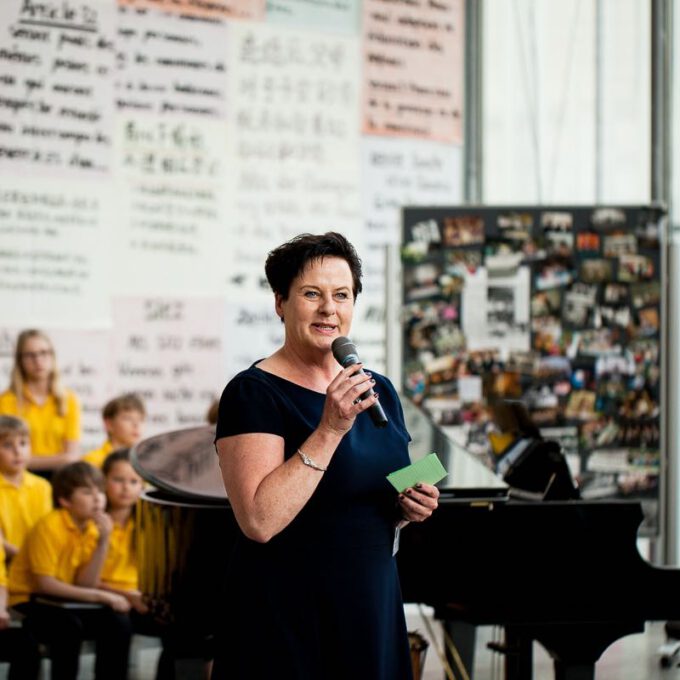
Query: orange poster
(413, 68)
(211, 9)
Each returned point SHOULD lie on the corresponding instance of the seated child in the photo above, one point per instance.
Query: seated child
(16, 645)
(123, 488)
(124, 422)
(59, 565)
(24, 497)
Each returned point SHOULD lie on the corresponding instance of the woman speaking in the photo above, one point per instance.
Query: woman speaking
(312, 590)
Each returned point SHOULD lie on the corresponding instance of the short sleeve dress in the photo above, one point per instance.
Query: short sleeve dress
(321, 600)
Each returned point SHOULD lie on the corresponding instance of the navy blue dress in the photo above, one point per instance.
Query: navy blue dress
(321, 600)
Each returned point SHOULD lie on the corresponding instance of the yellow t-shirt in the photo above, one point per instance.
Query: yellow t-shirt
(48, 430)
(97, 457)
(54, 547)
(120, 568)
(21, 507)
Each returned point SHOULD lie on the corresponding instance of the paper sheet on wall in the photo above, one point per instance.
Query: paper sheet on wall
(252, 332)
(56, 84)
(496, 310)
(171, 234)
(168, 65)
(54, 267)
(170, 351)
(293, 142)
(214, 9)
(337, 16)
(413, 69)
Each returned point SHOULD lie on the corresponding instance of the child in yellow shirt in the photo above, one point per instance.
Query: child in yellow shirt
(123, 487)
(123, 419)
(58, 568)
(36, 395)
(24, 497)
(16, 645)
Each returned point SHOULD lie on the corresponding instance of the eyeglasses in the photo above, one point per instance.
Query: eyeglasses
(41, 354)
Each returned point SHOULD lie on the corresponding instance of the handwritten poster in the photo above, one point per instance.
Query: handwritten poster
(170, 64)
(170, 186)
(53, 259)
(396, 173)
(413, 69)
(56, 85)
(405, 172)
(169, 351)
(294, 145)
(212, 9)
(83, 358)
(332, 16)
(252, 332)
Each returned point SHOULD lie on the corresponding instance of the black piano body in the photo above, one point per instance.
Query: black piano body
(565, 573)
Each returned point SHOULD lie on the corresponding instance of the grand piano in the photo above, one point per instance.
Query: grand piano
(564, 573)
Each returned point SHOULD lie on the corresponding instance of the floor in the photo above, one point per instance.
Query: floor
(632, 658)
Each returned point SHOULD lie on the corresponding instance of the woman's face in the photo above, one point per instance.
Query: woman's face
(37, 358)
(320, 305)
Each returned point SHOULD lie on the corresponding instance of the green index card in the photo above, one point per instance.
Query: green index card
(428, 470)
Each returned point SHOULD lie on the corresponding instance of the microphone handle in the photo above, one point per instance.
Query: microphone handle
(376, 411)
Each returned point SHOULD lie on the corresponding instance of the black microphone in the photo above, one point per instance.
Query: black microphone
(346, 355)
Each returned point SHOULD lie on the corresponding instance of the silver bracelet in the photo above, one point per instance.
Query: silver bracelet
(308, 461)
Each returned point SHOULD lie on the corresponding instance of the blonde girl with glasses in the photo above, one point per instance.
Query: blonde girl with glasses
(36, 394)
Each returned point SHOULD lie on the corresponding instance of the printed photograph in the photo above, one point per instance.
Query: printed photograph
(557, 221)
(635, 268)
(645, 294)
(596, 271)
(618, 243)
(515, 225)
(608, 217)
(616, 294)
(546, 302)
(579, 304)
(463, 231)
(588, 242)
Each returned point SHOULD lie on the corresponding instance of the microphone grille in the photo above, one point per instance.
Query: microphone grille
(342, 347)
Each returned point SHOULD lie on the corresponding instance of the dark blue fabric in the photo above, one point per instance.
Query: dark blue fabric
(321, 600)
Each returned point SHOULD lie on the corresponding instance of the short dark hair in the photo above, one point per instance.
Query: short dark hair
(125, 402)
(289, 260)
(67, 479)
(116, 457)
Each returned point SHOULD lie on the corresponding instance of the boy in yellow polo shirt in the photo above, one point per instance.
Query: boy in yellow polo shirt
(24, 497)
(124, 419)
(54, 578)
(16, 645)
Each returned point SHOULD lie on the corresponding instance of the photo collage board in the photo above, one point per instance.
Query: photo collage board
(558, 307)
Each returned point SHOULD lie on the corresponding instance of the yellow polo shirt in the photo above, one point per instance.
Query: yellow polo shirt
(22, 506)
(120, 568)
(48, 430)
(54, 547)
(97, 457)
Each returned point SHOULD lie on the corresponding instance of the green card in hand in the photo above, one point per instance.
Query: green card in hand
(428, 470)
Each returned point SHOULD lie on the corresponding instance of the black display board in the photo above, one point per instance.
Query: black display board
(559, 307)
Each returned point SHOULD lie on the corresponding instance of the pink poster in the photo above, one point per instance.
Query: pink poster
(413, 69)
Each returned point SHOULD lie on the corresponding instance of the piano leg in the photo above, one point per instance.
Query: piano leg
(519, 655)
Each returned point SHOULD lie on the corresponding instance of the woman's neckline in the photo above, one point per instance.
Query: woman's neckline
(292, 382)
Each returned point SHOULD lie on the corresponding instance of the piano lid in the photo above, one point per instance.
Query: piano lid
(467, 475)
(184, 462)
